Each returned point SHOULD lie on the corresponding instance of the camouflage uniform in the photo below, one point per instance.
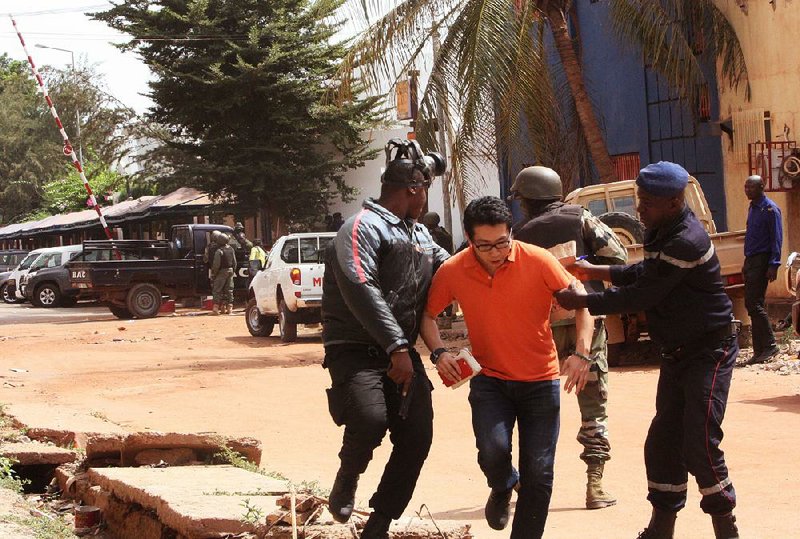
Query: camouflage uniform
(593, 400)
(222, 270)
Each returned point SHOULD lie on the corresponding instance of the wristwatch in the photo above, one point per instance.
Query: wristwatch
(436, 353)
(587, 359)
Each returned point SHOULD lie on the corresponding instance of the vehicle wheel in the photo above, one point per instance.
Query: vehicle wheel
(288, 329)
(257, 324)
(46, 295)
(144, 300)
(120, 312)
(628, 229)
(8, 297)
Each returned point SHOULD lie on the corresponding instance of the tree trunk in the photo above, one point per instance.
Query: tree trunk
(586, 116)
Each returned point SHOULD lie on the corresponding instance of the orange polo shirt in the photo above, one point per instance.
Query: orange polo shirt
(507, 315)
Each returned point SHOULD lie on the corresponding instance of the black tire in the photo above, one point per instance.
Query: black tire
(144, 300)
(288, 329)
(46, 295)
(258, 324)
(120, 312)
(628, 229)
(7, 296)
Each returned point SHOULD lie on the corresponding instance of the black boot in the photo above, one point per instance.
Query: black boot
(662, 525)
(725, 526)
(377, 526)
(498, 508)
(343, 496)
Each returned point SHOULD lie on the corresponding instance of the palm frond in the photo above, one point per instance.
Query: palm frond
(725, 45)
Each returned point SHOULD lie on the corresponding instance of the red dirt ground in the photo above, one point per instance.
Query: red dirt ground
(203, 373)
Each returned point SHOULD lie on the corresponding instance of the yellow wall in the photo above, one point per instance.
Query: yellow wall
(769, 40)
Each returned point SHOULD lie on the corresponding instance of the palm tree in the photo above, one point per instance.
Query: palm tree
(492, 71)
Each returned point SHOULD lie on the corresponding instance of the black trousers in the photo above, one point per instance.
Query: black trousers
(755, 288)
(685, 434)
(367, 402)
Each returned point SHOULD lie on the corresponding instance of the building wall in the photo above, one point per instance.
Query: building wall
(766, 34)
(640, 114)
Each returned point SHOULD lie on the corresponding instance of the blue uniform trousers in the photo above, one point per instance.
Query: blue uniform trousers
(685, 434)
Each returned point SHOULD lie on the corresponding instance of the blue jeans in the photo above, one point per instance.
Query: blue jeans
(496, 406)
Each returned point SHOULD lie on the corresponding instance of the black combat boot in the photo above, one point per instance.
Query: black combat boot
(377, 526)
(662, 525)
(498, 508)
(725, 526)
(343, 496)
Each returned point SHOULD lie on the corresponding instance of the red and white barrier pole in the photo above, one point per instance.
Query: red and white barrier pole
(68, 150)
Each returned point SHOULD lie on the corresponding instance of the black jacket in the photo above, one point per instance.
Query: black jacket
(377, 273)
(678, 285)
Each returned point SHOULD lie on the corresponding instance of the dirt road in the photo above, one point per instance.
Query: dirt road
(203, 373)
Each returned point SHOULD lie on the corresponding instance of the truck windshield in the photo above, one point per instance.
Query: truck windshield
(49, 260)
(597, 207)
(625, 204)
(28, 261)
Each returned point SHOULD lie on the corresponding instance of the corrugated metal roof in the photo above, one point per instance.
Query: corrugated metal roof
(118, 213)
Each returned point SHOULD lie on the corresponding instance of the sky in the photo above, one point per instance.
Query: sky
(64, 24)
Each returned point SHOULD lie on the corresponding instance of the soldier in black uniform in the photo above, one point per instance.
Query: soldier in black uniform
(679, 287)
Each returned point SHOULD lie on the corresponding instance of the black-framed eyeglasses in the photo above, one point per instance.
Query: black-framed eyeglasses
(499, 245)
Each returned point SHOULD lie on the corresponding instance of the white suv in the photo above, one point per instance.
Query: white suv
(289, 289)
(11, 291)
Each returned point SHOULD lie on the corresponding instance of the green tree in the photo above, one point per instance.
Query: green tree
(494, 74)
(31, 153)
(68, 193)
(240, 86)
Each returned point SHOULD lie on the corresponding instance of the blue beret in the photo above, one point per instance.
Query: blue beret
(663, 179)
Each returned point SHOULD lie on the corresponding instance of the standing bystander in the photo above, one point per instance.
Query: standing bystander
(257, 259)
(762, 258)
(222, 267)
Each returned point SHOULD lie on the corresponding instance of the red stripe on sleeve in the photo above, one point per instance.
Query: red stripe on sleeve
(362, 276)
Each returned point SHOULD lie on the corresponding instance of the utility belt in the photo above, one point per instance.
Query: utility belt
(359, 352)
(713, 337)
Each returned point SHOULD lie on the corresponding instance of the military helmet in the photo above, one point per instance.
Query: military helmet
(538, 183)
(238, 226)
(220, 238)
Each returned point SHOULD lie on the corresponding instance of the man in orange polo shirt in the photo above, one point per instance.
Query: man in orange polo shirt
(505, 289)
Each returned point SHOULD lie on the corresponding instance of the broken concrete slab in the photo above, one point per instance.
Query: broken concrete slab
(35, 453)
(195, 501)
(126, 447)
(178, 456)
(58, 420)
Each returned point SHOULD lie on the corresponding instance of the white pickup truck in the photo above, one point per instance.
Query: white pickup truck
(289, 289)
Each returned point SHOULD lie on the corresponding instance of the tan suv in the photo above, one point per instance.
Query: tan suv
(615, 204)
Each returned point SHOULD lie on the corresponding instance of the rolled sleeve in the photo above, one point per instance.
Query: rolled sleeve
(439, 294)
(555, 276)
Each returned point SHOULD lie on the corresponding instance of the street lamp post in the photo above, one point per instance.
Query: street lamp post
(77, 112)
